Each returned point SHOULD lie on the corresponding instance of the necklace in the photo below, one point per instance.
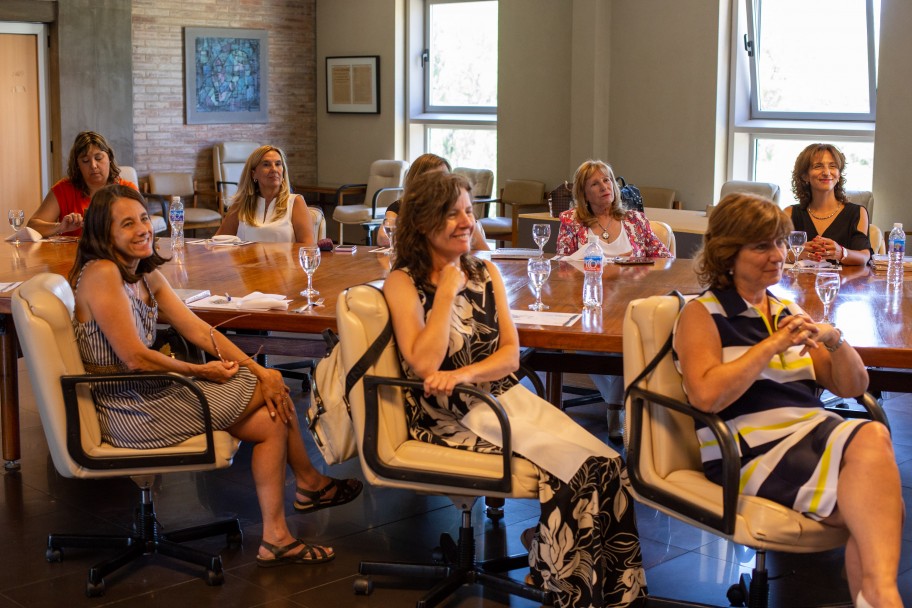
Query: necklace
(605, 234)
(825, 217)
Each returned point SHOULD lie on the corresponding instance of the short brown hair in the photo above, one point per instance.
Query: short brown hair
(802, 189)
(584, 173)
(739, 219)
(96, 244)
(81, 145)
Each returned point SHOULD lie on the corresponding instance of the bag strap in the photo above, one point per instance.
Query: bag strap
(666, 348)
(370, 356)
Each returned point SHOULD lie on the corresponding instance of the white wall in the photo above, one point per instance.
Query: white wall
(348, 143)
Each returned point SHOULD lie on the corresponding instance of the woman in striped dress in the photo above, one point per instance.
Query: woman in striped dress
(120, 297)
(757, 361)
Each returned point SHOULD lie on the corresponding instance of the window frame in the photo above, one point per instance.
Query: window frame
(752, 47)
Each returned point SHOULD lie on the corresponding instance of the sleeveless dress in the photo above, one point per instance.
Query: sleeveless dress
(791, 448)
(273, 230)
(587, 547)
(843, 229)
(153, 414)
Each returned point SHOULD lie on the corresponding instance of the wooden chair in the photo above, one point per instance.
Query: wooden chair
(157, 209)
(165, 185)
(522, 196)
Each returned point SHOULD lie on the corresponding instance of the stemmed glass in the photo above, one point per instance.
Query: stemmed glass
(827, 285)
(540, 234)
(389, 228)
(310, 259)
(796, 242)
(16, 219)
(539, 270)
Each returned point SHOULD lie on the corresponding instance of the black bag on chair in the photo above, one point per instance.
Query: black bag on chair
(630, 195)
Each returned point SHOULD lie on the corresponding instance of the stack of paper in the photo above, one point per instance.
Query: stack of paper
(880, 262)
(514, 253)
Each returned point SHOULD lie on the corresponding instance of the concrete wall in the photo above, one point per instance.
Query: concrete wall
(349, 143)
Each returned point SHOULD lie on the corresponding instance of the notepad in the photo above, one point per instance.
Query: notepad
(192, 295)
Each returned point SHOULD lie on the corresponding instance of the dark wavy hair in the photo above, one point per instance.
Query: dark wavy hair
(81, 145)
(96, 242)
(424, 209)
(802, 189)
(739, 219)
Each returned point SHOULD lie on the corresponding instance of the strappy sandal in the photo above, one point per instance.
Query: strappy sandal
(310, 554)
(346, 491)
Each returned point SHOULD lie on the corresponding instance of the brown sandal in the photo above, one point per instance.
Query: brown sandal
(346, 491)
(310, 554)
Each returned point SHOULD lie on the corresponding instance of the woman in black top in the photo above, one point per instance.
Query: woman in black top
(837, 230)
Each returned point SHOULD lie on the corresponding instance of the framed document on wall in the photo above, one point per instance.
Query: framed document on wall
(353, 85)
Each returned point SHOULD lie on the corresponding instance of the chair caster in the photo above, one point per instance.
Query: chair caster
(95, 589)
(234, 540)
(736, 595)
(363, 585)
(214, 579)
(53, 555)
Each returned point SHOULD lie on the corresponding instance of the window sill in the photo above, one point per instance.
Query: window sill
(460, 119)
(807, 127)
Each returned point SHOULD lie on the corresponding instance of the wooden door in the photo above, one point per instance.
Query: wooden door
(20, 128)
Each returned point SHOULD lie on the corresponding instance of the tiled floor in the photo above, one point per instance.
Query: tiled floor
(682, 562)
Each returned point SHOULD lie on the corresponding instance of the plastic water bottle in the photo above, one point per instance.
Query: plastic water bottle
(896, 251)
(592, 269)
(176, 217)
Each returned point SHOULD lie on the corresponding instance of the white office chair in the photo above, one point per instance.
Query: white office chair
(156, 208)
(482, 181)
(764, 189)
(865, 198)
(228, 160)
(390, 458)
(878, 244)
(384, 185)
(663, 458)
(665, 234)
(43, 311)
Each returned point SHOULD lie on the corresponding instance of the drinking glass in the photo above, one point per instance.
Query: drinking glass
(540, 234)
(16, 219)
(539, 270)
(796, 242)
(310, 259)
(827, 285)
(389, 228)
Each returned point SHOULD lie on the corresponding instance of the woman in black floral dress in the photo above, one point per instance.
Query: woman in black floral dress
(452, 325)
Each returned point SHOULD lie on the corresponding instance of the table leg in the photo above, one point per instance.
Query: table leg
(554, 384)
(9, 392)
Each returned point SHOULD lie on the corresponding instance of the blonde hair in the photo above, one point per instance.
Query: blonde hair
(584, 173)
(248, 190)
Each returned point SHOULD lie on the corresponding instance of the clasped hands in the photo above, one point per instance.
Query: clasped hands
(801, 329)
(820, 248)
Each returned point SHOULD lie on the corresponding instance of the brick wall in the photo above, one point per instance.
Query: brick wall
(162, 140)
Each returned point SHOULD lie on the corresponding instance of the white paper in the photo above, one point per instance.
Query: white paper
(4, 287)
(532, 317)
(252, 301)
(25, 234)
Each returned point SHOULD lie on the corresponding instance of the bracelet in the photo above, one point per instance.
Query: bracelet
(839, 342)
(845, 252)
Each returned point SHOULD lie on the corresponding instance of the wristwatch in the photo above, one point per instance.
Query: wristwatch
(845, 252)
(839, 342)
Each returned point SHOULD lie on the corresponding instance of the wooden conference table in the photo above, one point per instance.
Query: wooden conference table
(872, 322)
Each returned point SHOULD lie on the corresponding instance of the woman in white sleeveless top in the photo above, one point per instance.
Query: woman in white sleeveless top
(264, 208)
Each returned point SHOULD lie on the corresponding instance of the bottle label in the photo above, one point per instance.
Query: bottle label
(177, 215)
(898, 246)
(593, 263)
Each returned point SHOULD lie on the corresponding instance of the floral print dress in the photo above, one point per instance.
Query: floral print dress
(587, 548)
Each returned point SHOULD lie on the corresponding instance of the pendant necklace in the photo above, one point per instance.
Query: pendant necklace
(825, 217)
(605, 234)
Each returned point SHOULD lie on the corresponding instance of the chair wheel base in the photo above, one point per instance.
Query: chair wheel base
(363, 585)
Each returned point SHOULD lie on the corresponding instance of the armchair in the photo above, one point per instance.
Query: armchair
(663, 459)
(764, 189)
(523, 196)
(157, 209)
(384, 185)
(390, 458)
(164, 185)
(228, 160)
(42, 310)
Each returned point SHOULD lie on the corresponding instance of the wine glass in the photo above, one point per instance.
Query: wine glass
(827, 285)
(389, 228)
(16, 219)
(539, 270)
(796, 242)
(310, 259)
(540, 234)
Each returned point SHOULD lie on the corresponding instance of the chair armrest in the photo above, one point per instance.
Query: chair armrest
(369, 445)
(377, 196)
(74, 430)
(731, 462)
(874, 409)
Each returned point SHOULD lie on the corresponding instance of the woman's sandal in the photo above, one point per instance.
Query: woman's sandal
(310, 554)
(346, 491)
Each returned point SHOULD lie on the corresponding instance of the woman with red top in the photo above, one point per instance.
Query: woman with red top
(90, 168)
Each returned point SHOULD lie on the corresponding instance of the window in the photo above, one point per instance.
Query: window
(792, 89)
(456, 116)
(795, 75)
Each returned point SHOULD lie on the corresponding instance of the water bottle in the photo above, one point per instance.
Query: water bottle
(896, 250)
(176, 216)
(592, 270)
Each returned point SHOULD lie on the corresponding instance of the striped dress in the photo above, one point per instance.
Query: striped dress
(790, 446)
(152, 414)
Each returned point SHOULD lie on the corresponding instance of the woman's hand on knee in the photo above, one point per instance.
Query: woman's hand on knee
(276, 396)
